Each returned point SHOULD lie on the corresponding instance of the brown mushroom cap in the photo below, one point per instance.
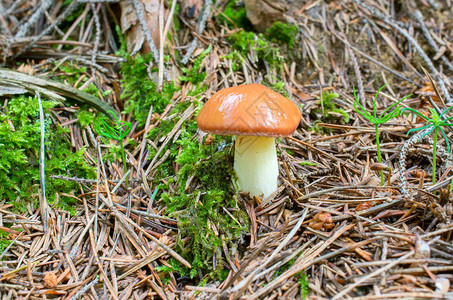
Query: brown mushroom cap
(252, 109)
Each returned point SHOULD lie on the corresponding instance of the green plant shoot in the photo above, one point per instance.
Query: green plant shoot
(384, 117)
(118, 133)
(435, 123)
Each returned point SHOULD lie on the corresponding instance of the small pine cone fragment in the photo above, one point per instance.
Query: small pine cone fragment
(322, 220)
(50, 279)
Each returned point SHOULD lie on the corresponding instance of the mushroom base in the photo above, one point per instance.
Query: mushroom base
(256, 166)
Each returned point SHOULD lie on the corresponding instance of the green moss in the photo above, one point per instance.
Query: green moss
(236, 60)
(71, 73)
(193, 182)
(290, 152)
(209, 167)
(19, 154)
(139, 92)
(198, 204)
(175, 266)
(72, 17)
(235, 15)
(4, 240)
(176, 21)
(122, 51)
(278, 87)
(328, 112)
(307, 163)
(303, 281)
(204, 211)
(193, 73)
(328, 100)
(85, 117)
(282, 33)
(244, 41)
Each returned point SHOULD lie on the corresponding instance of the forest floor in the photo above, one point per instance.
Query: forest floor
(360, 212)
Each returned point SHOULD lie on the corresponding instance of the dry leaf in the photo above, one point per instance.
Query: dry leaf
(131, 27)
(334, 6)
(428, 90)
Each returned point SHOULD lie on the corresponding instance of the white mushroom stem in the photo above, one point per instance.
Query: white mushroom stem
(256, 166)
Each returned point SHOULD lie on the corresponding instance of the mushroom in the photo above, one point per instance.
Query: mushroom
(256, 115)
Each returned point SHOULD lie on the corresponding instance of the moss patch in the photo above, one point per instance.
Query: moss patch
(139, 92)
(201, 193)
(328, 112)
(282, 33)
(193, 183)
(19, 154)
(234, 15)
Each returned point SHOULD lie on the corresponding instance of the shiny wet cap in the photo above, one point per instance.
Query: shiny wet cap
(252, 109)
